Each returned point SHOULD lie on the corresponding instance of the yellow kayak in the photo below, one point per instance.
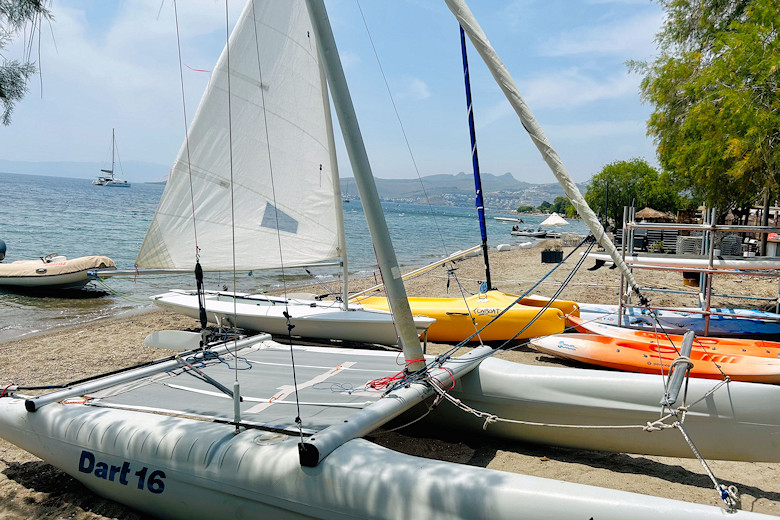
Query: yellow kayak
(454, 321)
(568, 307)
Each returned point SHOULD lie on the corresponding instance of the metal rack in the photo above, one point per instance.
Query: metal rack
(708, 230)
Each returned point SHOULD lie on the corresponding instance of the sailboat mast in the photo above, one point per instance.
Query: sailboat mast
(334, 168)
(475, 160)
(500, 73)
(113, 148)
(369, 198)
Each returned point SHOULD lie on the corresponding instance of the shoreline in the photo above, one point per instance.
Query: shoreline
(30, 488)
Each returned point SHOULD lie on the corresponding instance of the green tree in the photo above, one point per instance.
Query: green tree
(716, 91)
(525, 209)
(16, 15)
(563, 206)
(544, 207)
(623, 183)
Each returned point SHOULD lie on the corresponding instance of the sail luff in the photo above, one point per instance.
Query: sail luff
(500, 73)
(388, 264)
(334, 168)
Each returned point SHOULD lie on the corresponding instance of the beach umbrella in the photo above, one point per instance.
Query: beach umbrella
(649, 212)
(554, 220)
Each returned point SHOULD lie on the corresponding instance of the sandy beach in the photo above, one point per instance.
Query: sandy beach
(29, 488)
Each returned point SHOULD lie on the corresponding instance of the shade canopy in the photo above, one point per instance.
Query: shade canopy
(554, 220)
(649, 212)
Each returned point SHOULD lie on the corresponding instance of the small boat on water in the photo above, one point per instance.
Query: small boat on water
(726, 321)
(51, 272)
(656, 358)
(529, 232)
(108, 179)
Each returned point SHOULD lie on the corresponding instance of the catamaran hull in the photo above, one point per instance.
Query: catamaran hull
(739, 421)
(311, 319)
(180, 469)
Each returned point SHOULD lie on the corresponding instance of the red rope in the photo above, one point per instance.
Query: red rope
(384, 382)
(2, 394)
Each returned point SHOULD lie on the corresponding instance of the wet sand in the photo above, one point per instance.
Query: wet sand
(29, 488)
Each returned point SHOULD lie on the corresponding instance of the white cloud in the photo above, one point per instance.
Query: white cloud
(596, 130)
(565, 90)
(572, 87)
(633, 37)
(414, 89)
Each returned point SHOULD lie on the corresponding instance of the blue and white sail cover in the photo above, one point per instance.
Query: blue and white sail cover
(279, 174)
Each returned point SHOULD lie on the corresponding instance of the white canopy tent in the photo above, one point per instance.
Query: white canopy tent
(554, 220)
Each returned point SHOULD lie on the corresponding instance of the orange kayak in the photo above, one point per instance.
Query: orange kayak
(738, 346)
(635, 356)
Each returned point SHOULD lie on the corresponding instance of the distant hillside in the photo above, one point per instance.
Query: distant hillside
(132, 171)
(499, 191)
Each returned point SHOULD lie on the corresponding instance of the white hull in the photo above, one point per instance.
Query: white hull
(572, 396)
(699, 262)
(531, 234)
(312, 319)
(56, 281)
(740, 322)
(179, 468)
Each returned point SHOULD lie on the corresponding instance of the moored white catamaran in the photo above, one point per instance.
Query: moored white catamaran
(190, 436)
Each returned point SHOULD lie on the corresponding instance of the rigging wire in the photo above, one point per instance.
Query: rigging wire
(286, 313)
(237, 398)
(186, 134)
(403, 131)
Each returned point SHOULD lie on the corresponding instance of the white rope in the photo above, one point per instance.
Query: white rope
(729, 495)
(656, 425)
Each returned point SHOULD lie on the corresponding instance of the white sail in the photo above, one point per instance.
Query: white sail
(283, 198)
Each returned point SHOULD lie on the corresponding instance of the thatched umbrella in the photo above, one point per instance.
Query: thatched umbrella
(649, 212)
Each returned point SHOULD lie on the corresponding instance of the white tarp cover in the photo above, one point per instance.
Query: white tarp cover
(290, 191)
(26, 268)
(554, 220)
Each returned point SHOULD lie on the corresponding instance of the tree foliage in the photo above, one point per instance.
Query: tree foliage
(563, 206)
(716, 91)
(544, 207)
(634, 182)
(16, 15)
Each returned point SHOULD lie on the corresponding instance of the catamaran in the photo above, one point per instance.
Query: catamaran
(108, 179)
(255, 428)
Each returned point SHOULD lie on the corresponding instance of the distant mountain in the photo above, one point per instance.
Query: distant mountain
(499, 191)
(131, 171)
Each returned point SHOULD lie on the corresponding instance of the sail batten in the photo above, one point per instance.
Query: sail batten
(281, 168)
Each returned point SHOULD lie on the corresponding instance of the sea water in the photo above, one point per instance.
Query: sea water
(40, 215)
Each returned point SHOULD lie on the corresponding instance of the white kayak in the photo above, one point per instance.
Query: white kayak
(695, 261)
(727, 321)
(311, 318)
(51, 272)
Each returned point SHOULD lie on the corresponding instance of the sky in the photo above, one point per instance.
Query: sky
(115, 65)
